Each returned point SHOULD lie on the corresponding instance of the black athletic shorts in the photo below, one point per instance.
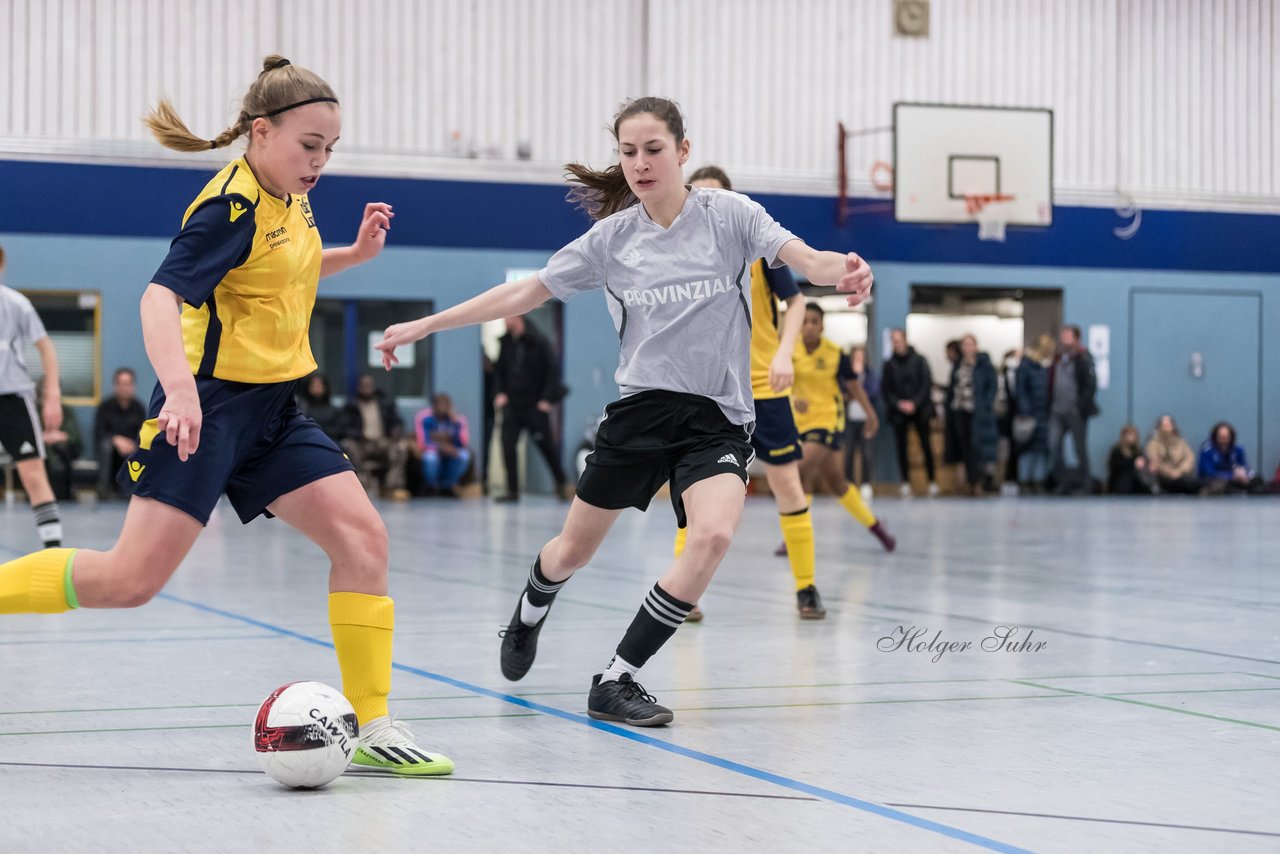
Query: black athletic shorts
(21, 433)
(661, 436)
(775, 438)
(833, 439)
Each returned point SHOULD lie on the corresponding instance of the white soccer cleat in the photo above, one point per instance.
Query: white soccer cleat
(387, 745)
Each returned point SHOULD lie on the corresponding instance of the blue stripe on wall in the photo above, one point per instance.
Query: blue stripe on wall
(149, 201)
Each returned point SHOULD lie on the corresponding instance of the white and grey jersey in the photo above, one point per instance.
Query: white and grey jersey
(19, 326)
(679, 296)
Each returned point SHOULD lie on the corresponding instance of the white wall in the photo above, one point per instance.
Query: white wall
(929, 334)
(1171, 101)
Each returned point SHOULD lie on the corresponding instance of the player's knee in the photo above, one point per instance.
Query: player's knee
(365, 545)
(711, 538)
(574, 554)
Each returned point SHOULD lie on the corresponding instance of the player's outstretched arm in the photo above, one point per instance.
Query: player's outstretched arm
(505, 300)
(370, 239)
(180, 417)
(849, 273)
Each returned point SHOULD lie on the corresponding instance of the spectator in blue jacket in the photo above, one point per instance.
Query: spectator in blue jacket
(1031, 424)
(443, 438)
(1223, 468)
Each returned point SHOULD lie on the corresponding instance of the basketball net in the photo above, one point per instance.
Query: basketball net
(991, 213)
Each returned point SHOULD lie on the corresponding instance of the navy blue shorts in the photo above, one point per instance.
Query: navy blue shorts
(833, 439)
(255, 445)
(775, 438)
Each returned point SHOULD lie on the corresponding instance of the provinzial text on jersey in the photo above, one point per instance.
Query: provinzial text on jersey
(677, 293)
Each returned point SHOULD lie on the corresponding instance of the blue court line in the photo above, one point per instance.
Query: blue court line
(631, 735)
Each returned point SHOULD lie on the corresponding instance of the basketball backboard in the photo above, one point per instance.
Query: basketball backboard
(950, 161)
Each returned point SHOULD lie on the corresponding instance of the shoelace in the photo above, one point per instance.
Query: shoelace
(519, 632)
(632, 690)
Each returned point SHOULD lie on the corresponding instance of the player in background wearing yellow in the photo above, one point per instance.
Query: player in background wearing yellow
(225, 322)
(774, 335)
(824, 376)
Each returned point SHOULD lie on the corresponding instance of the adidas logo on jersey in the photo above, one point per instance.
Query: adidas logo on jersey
(632, 258)
(26, 448)
(728, 458)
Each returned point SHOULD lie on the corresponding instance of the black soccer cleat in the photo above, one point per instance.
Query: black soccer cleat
(519, 645)
(625, 701)
(809, 603)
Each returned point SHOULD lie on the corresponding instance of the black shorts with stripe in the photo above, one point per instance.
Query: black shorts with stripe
(775, 438)
(20, 431)
(833, 439)
(657, 437)
(255, 446)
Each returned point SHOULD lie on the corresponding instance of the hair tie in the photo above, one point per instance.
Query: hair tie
(281, 64)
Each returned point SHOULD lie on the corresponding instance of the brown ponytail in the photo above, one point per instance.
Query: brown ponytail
(279, 86)
(604, 192)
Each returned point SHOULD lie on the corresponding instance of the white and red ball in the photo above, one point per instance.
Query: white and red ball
(305, 734)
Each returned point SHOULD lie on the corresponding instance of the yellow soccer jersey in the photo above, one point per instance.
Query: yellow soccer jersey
(818, 376)
(768, 286)
(247, 264)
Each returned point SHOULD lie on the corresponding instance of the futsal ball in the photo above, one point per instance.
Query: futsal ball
(305, 734)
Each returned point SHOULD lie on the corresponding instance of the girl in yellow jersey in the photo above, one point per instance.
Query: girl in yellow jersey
(823, 376)
(225, 321)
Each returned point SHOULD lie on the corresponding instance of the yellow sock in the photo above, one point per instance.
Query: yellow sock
(852, 501)
(797, 533)
(682, 537)
(362, 627)
(38, 583)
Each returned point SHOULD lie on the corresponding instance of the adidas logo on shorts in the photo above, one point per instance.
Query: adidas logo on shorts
(728, 458)
(26, 448)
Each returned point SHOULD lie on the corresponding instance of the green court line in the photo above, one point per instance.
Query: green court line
(1175, 709)
(1261, 675)
(246, 725)
(1191, 691)
(207, 706)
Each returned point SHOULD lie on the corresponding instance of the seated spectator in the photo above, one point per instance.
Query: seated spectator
(373, 438)
(61, 448)
(1127, 469)
(115, 429)
(1223, 468)
(1172, 462)
(314, 401)
(442, 440)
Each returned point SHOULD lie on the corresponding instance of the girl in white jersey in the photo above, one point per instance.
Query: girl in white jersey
(674, 270)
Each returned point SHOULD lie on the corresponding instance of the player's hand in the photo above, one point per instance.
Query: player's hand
(782, 372)
(180, 419)
(51, 414)
(372, 235)
(396, 335)
(800, 405)
(857, 279)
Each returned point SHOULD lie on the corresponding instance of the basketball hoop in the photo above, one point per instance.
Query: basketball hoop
(991, 212)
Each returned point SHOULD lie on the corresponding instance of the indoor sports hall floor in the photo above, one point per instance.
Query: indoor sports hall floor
(1150, 720)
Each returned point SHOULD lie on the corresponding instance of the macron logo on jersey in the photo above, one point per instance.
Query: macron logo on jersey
(237, 210)
(687, 292)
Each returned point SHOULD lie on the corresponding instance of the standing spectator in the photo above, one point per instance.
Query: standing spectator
(373, 438)
(315, 401)
(21, 428)
(1007, 410)
(116, 424)
(1223, 468)
(527, 380)
(1173, 464)
(907, 386)
(443, 437)
(1128, 472)
(1031, 424)
(1073, 388)
(970, 404)
(856, 421)
(62, 445)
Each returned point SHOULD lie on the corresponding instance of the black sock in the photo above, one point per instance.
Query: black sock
(654, 624)
(539, 589)
(48, 524)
